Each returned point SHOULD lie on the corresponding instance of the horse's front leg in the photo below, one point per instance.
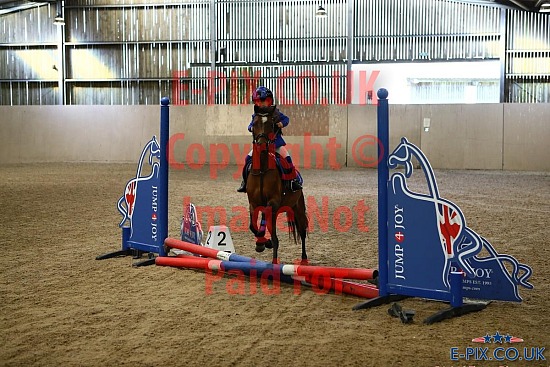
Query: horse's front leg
(259, 232)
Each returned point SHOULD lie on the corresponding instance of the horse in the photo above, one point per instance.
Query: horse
(266, 192)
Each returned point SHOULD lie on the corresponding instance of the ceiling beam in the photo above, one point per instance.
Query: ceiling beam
(19, 5)
(519, 4)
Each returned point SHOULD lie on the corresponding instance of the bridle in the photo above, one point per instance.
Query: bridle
(265, 138)
(256, 139)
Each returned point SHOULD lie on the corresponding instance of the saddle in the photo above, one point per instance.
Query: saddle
(286, 169)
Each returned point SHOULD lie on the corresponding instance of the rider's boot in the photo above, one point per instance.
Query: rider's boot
(295, 185)
(242, 188)
(247, 161)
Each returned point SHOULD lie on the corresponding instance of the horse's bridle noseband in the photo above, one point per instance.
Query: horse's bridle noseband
(256, 138)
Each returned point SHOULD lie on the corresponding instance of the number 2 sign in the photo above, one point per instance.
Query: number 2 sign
(219, 238)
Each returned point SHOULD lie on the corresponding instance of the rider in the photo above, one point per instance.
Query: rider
(262, 98)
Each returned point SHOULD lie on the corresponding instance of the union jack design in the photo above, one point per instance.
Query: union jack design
(450, 226)
(130, 195)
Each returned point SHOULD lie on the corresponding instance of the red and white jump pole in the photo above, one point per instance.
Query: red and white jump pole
(292, 270)
(319, 276)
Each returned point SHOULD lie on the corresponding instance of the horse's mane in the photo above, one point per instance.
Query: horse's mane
(267, 111)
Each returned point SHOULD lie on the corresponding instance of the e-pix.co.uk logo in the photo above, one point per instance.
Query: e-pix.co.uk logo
(505, 349)
(497, 338)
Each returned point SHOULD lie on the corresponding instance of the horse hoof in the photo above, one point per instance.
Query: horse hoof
(275, 261)
(304, 262)
(260, 247)
(269, 244)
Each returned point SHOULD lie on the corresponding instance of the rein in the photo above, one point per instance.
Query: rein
(263, 138)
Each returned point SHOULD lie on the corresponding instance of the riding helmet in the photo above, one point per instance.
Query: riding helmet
(261, 94)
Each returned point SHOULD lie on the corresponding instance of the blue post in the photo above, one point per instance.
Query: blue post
(456, 289)
(163, 174)
(125, 237)
(383, 177)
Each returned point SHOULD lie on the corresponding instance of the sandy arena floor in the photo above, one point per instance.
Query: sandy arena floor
(61, 307)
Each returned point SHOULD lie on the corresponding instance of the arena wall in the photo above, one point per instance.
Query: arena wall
(476, 136)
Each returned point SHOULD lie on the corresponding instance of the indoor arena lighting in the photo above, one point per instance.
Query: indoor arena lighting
(59, 20)
(321, 12)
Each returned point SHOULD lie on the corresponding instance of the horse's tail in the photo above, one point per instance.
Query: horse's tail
(292, 230)
(298, 220)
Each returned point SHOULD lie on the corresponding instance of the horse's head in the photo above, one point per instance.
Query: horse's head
(265, 124)
(402, 156)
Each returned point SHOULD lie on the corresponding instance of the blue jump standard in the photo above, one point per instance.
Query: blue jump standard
(144, 203)
(428, 229)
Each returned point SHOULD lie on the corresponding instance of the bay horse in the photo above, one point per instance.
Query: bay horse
(266, 192)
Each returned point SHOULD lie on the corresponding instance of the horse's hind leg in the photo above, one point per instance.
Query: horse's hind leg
(302, 231)
(301, 223)
(268, 243)
(272, 228)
